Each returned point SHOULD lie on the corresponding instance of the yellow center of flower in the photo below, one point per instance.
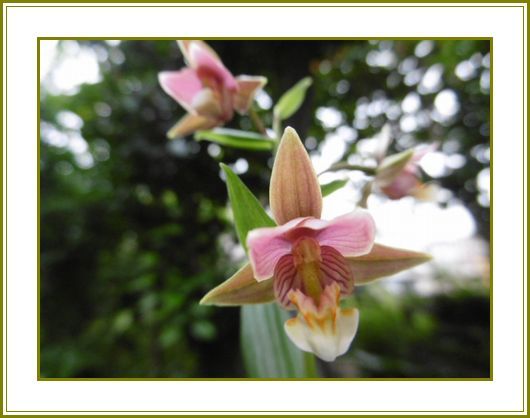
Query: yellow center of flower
(307, 258)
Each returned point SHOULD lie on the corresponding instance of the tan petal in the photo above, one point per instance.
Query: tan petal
(384, 261)
(240, 289)
(294, 189)
(248, 86)
(189, 124)
(426, 192)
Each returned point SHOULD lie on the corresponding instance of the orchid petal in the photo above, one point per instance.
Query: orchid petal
(351, 234)
(285, 280)
(209, 65)
(227, 104)
(190, 123)
(206, 103)
(294, 188)
(326, 330)
(266, 246)
(248, 86)
(326, 346)
(384, 261)
(426, 192)
(422, 151)
(184, 46)
(181, 85)
(403, 185)
(392, 166)
(384, 139)
(333, 269)
(240, 289)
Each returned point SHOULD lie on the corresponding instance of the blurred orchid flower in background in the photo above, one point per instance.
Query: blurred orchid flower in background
(207, 89)
(398, 175)
(307, 263)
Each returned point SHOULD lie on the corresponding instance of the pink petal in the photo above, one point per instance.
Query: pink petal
(227, 104)
(403, 185)
(181, 85)
(209, 65)
(335, 269)
(286, 279)
(184, 46)
(422, 151)
(266, 246)
(351, 234)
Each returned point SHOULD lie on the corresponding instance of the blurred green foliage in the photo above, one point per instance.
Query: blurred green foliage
(135, 229)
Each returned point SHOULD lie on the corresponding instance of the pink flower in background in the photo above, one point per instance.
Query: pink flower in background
(404, 179)
(207, 89)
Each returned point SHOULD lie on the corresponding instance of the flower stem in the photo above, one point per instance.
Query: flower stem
(353, 167)
(256, 120)
(277, 126)
(367, 190)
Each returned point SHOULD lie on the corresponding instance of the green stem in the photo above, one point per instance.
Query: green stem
(367, 190)
(277, 126)
(353, 167)
(256, 120)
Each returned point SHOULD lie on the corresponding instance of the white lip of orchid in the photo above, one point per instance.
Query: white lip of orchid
(325, 329)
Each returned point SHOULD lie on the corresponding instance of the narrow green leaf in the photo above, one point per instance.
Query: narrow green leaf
(292, 99)
(248, 213)
(236, 139)
(352, 167)
(331, 187)
(267, 351)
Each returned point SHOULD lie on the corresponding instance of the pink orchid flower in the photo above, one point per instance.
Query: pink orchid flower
(307, 263)
(399, 175)
(306, 256)
(207, 89)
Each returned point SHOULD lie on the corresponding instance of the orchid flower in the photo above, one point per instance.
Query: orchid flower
(399, 175)
(307, 263)
(207, 89)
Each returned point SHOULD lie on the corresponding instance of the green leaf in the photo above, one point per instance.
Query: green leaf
(292, 99)
(331, 187)
(240, 289)
(267, 351)
(236, 139)
(248, 213)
